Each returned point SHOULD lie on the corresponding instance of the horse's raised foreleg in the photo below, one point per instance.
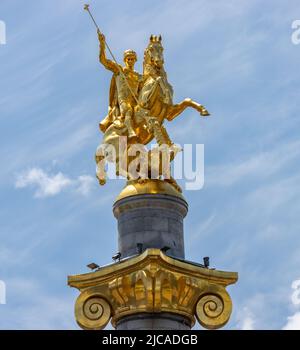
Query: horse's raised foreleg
(177, 109)
(100, 169)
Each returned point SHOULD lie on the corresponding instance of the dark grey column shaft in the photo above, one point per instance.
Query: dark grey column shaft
(155, 221)
(163, 321)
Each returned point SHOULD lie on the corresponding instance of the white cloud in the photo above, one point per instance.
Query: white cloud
(293, 322)
(85, 183)
(246, 320)
(296, 294)
(35, 308)
(46, 185)
(247, 324)
(49, 185)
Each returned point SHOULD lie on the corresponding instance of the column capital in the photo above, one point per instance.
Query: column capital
(153, 283)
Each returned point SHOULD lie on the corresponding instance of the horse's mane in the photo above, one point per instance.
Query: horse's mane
(148, 68)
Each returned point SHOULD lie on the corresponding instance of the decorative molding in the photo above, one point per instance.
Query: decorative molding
(157, 201)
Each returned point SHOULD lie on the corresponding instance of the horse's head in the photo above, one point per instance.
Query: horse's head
(153, 54)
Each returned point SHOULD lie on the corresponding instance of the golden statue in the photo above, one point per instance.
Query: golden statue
(138, 106)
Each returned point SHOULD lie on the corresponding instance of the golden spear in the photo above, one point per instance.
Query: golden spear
(87, 8)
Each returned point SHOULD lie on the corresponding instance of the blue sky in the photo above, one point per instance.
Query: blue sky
(237, 58)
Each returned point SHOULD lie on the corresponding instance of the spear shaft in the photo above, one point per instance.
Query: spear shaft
(86, 7)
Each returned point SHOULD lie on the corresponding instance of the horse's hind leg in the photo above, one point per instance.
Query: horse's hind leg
(200, 108)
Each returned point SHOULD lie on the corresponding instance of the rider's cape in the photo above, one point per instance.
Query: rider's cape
(113, 109)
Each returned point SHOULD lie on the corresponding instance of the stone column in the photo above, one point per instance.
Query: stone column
(151, 220)
(161, 321)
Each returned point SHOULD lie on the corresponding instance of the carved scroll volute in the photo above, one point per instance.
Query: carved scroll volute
(92, 311)
(214, 307)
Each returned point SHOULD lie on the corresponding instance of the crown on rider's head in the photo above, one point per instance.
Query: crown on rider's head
(129, 53)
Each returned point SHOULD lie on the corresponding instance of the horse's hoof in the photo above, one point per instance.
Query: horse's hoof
(132, 137)
(174, 149)
(204, 113)
(102, 182)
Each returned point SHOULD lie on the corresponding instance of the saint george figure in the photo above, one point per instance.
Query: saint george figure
(121, 99)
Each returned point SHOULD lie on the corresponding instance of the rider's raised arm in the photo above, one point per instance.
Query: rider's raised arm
(108, 64)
